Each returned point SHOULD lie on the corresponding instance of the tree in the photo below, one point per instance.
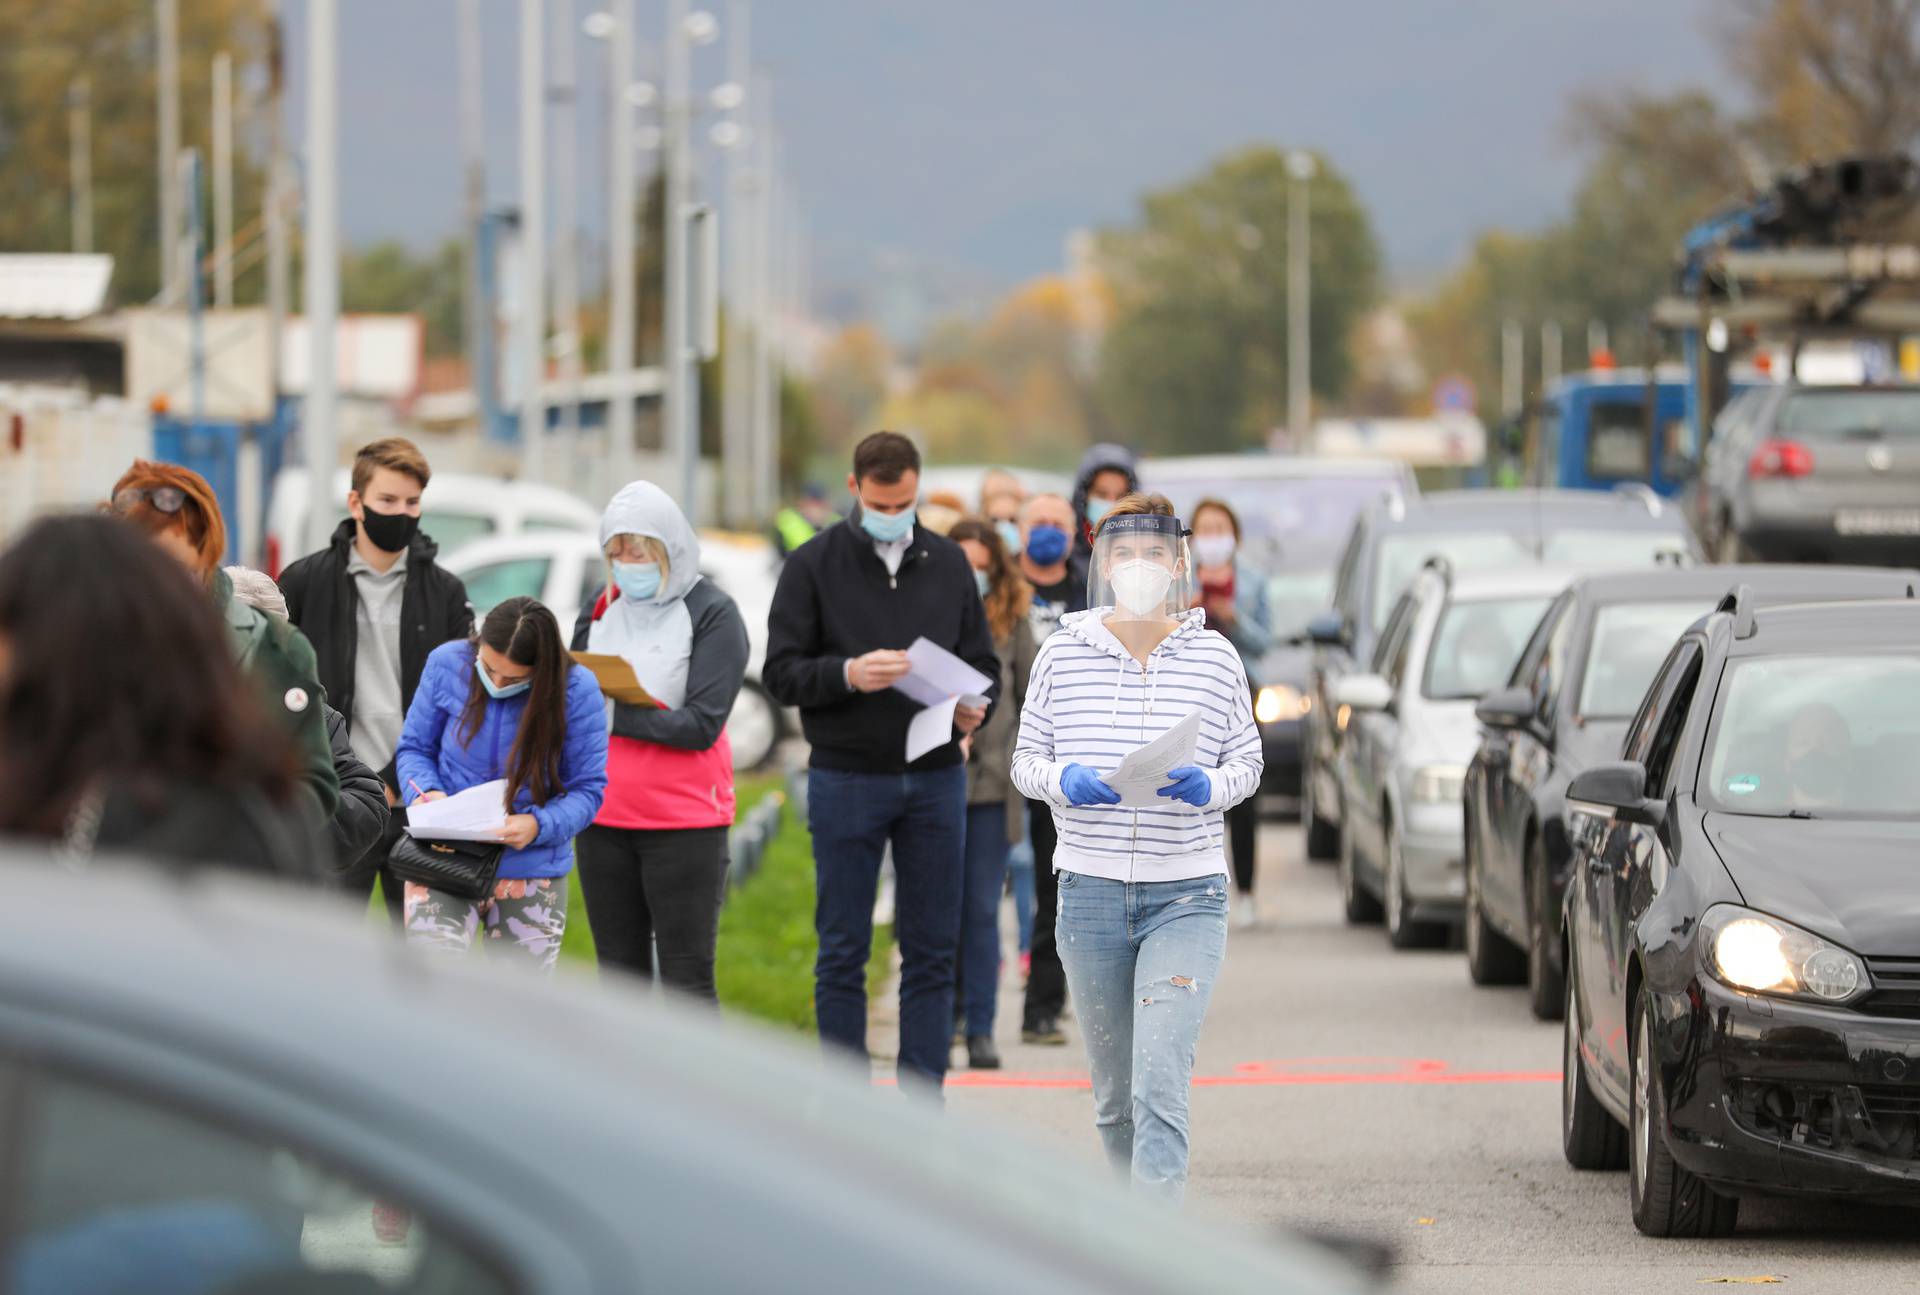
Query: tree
(44, 49)
(852, 379)
(1830, 76)
(1196, 358)
(388, 278)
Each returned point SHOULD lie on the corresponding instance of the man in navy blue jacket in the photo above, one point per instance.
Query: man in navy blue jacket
(849, 603)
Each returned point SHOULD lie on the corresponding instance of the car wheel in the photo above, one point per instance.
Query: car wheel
(1546, 984)
(1667, 1201)
(1492, 959)
(1361, 907)
(753, 728)
(1402, 931)
(1323, 837)
(1590, 1138)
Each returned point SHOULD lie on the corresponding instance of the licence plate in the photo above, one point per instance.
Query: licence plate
(1877, 521)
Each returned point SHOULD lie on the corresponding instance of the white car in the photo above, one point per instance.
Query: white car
(457, 509)
(567, 571)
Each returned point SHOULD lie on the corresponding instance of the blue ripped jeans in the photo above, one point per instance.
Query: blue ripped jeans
(1141, 961)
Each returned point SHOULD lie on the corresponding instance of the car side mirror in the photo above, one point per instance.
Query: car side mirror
(1507, 708)
(1363, 692)
(1619, 786)
(1328, 629)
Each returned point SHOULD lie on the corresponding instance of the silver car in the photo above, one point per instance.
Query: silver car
(1410, 732)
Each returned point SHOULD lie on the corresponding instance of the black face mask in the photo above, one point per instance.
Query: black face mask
(388, 532)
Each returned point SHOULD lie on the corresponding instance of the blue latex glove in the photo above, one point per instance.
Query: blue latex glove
(1189, 783)
(1082, 786)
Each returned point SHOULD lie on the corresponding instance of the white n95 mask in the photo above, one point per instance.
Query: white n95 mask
(1141, 586)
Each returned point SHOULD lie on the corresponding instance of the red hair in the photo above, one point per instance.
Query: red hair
(199, 518)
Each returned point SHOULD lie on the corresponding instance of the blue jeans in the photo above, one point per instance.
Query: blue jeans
(1141, 961)
(980, 915)
(853, 817)
(1020, 875)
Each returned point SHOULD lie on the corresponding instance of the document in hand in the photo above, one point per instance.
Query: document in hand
(1143, 770)
(616, 678)
(938, 680)
(476, 814)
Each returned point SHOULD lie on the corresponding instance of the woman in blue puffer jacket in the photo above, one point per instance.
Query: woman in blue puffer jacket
(510, 704)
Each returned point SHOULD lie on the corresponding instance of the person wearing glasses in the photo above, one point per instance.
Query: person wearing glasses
(176, 508)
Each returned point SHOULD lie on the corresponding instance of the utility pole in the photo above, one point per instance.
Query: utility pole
(1596, 338)
(681, 435)
(279, 198)
(1513, 376)
(223, 180)
(474, 166)
(746, 337)
(768, 195)
(566, 250)
(1300, 170)
(167, 23)
(80, 160)
(1549, 355)
(322, 298)
(533, 236)
(191, 254)
(621, 290)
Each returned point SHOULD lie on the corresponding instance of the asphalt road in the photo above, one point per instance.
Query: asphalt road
(1346, 1089)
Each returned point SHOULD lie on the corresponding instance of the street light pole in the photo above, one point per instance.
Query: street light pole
(736, 406)
(681, 433)
(223, 180)
(317, 430)
(167, 24)
(1300, 169)
(533, 235)
(566, 249)
(80, 160)
(473, 147)
(622, 292)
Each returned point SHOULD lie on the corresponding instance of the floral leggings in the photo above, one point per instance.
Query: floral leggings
(531, 912)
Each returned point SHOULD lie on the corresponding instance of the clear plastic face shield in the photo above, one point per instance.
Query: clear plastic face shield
(1141, 569)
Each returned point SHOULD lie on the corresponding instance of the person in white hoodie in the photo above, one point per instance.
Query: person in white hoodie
(1142, 922)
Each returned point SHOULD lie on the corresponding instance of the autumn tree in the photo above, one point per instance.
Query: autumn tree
(1829, 77)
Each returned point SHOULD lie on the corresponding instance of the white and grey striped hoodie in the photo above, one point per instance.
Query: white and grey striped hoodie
(1089, 702)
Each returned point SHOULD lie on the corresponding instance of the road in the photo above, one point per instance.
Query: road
(1346, 1089)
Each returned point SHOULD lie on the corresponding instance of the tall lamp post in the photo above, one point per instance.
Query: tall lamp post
(1300, 170)
(680, 405)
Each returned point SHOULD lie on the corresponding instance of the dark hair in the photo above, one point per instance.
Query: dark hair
(525, 632)
(120, 675)
(396, 454)
(198, 518)
(1008, 593)
(884, 457)
(1219, 506)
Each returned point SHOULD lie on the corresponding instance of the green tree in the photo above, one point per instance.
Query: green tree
(1196, 357)
(387, 278)
(44, 49)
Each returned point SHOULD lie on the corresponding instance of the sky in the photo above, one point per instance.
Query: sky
(960, 143)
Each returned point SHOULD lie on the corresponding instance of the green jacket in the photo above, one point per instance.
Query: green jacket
(281, 663)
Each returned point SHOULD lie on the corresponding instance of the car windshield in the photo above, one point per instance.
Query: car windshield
(1401, 557)
(1612, 547)
(1629, 642)
(1819, 736)
(1296, 597)
(1274, 510)
(493, 583)
(1833, 415)
(1476, 645)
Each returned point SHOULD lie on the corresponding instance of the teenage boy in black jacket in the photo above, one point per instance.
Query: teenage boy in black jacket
(374, 602)
(849, 603)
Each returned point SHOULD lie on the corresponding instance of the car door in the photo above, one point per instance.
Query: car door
(1331, 663)
(1523, 770)
(1368, 737)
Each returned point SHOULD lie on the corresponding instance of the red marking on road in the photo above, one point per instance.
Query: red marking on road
(1294, 1072)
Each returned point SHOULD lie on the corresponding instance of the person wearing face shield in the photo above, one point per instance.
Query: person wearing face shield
(653, 867)
(1142, 922)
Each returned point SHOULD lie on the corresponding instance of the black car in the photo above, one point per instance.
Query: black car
(1743, 926)
(1578, 682)
(1473, 530)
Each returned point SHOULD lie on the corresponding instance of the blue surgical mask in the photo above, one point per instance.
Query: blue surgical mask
(1096, 509)
(494, 690)
(639, 581)
(887, 528)
(1009, 536)
(1046, 544)
(982, 581)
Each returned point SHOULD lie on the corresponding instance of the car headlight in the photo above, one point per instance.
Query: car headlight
(1764, 955)
(1280, 701)
(1439, 783)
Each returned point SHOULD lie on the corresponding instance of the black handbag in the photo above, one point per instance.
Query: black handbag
(463, 869)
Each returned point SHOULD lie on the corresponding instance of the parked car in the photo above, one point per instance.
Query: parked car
(1474, 530)
(1566, 707)
(1799, 473)
(567, 571)
(1410, 731)
(207, 1081)
(1293, 511)
(1743, 947)
(456, 509)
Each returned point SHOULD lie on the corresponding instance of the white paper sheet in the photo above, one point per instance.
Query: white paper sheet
(476, 814)
(938, 674)
(1143, 771)
(931, 728)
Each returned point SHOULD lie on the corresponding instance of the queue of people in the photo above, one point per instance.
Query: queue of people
(216, 716)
